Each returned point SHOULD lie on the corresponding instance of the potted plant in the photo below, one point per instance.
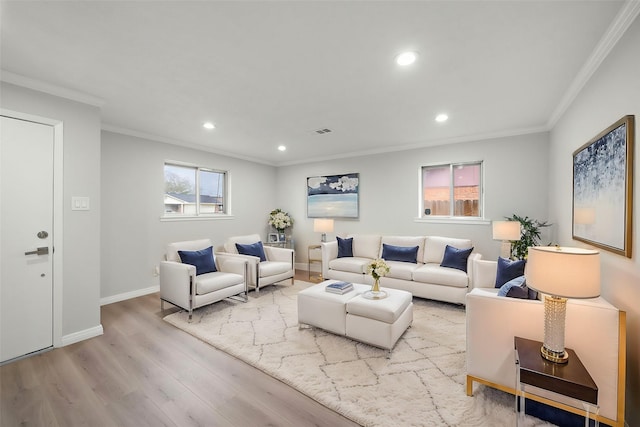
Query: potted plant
(529, 235)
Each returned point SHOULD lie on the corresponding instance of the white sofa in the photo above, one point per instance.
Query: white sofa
(425, 279)
(595, 329)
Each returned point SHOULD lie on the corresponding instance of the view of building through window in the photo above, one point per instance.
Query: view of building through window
(458, 182)
(191, 190)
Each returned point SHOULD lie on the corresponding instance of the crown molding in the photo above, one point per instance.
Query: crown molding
(431, 143)
(627, 14)
(157, 138)
(51, 89)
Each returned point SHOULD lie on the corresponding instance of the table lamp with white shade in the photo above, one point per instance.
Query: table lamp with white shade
(506, 231)
(323, 226)
(561, 273)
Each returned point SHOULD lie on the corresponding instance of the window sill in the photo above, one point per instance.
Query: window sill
(166, 218)
(451, 220)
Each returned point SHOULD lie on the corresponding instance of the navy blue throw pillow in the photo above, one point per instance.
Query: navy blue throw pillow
(456, 258)
(345, 247)
(202, 260)
(508, 270)
(400, 253)
(254, 249)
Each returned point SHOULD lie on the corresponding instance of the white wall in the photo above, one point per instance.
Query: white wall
(613, 91)
(81, 240)
(515, 181)
(134, 238)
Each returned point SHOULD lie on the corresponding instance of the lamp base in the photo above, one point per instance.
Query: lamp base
(555, 309)
(323, 237)
(554, 356)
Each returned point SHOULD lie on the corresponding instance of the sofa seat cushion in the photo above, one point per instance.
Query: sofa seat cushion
(401, 270)
(433, 273)
(350, 264)
(211, 282)
(272, 268)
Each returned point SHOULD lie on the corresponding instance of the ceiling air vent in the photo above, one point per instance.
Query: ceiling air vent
(322, 131)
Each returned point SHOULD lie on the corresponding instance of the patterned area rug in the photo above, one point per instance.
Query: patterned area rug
(422, 384)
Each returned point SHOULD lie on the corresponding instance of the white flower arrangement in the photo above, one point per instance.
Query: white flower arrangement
(280, 219)
(377, 268)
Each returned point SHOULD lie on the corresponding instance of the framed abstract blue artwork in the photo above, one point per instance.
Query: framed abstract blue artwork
(333, 196)
(603, 188)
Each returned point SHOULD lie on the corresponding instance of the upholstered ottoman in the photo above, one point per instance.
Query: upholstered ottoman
(325, 310)
(379, 322)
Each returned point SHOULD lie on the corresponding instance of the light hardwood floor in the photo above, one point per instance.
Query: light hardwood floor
(145, 372)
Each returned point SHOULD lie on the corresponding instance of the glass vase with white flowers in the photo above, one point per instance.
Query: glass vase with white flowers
(377, 268)
(280, 220)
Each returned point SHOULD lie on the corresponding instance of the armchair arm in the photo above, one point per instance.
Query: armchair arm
(484, 273)
(175, 282)
(279, 254)
(251, 260)
(231, 264)
(329, 252)
(252, 263)
(470, 273)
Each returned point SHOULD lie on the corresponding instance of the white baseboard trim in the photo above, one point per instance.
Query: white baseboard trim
(75, 337)
(129, 295)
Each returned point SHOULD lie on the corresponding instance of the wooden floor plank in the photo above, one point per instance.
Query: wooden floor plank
(143, 371)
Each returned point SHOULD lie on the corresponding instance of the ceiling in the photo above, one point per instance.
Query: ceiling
(272, 72)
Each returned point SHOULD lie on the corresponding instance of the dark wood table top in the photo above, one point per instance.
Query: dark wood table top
(570, 379)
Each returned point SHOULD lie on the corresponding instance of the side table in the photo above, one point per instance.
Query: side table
(562, 385)
(313, 257)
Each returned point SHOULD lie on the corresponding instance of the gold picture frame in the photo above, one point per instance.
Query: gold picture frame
(602, 209)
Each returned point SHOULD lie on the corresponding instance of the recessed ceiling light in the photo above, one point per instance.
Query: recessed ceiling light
(282, 148)
(209, 125)
(406, 58)
(442, 118)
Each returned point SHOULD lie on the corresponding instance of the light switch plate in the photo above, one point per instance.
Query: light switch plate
(79, 203)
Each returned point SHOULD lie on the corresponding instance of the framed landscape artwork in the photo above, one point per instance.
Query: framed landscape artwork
(603, 188)
(333, 196)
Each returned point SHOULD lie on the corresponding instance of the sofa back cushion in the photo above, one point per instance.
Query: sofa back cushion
(434, 247)
(189, 245)
(366, 246)
(405, 241)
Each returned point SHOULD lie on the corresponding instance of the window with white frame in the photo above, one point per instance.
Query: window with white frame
(194, 191)
(452, 190)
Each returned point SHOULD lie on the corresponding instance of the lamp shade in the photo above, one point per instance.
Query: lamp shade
(323, 225)
(564, 272)
(506, 230)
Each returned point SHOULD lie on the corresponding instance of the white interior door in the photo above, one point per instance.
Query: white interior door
(26, 237)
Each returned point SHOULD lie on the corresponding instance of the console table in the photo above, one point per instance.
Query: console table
(569, 384)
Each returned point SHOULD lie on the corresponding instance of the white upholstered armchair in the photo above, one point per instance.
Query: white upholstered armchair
(278, 263)
(199, 278)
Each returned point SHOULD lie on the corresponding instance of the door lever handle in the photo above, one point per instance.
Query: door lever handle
(44, 250)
